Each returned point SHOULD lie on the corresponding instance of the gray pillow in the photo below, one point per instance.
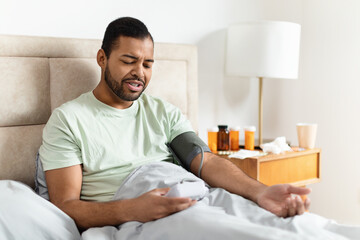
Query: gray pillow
(40, 181)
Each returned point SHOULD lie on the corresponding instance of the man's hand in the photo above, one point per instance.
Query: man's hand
(278, 199)
(153, 205)
(218, 172)
(64, 186)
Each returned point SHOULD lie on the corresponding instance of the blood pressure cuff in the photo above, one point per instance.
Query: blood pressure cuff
(185, 147)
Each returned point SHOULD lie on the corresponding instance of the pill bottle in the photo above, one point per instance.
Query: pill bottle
(234, 138)
(250, 137)
(212, 138)
(223, 138)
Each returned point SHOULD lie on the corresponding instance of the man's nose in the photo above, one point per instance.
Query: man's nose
(138, 71)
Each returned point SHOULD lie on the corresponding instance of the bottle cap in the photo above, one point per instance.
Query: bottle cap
(222, 126)
(250, 128)
(213, 129)
(236, 128)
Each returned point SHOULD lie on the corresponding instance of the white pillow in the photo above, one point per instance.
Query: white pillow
(25, 215)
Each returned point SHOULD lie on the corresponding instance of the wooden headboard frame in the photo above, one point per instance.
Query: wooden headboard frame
(38, 74)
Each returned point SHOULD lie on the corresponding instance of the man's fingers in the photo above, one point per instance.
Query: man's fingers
(161, 206)
(174, 205)
(296, 206)
(300, 205)
(177, 200)
(182, 206)
(160, 191)
(299, 190)
(291, 207)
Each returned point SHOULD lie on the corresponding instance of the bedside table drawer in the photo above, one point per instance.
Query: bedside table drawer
(299, 171)
(299, 168)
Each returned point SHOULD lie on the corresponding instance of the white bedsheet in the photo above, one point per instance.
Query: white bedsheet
(219, 215)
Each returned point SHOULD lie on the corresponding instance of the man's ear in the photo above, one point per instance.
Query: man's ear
(101, 58)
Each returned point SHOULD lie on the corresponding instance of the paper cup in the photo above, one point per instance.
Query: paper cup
(306, 133)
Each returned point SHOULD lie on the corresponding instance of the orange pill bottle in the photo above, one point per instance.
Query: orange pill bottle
(250, 137)
(212, 138)
(234, 138)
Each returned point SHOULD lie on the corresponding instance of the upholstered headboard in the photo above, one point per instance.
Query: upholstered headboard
(38, 74)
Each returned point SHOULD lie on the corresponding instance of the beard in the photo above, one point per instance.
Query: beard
(119, 88)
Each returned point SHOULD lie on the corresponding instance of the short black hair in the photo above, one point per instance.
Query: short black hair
(124, 26)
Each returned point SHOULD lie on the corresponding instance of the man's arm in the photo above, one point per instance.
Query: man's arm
(64, 186)
(219, 172)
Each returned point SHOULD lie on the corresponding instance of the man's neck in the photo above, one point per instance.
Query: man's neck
(105, 95)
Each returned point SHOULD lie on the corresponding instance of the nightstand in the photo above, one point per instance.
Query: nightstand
(299, 168)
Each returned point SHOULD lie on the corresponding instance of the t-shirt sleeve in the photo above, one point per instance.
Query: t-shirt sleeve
(59, 148)
(178, 123)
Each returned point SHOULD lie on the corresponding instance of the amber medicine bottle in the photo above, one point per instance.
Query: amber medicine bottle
(223, 138)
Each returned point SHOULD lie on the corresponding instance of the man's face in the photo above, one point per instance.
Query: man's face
(129, 67)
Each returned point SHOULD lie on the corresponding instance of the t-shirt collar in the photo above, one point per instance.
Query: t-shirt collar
(105, 109)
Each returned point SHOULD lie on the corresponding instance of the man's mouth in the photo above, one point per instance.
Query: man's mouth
(135, 86)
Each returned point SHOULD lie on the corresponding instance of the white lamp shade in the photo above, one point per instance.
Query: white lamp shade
(263, 49)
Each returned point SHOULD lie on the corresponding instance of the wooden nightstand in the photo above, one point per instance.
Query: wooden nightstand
(299, 168)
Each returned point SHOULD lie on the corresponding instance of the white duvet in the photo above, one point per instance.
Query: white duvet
(219, 215)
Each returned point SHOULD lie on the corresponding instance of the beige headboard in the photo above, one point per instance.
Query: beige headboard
(38, 74)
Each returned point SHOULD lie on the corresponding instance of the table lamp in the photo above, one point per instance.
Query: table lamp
(263, 49)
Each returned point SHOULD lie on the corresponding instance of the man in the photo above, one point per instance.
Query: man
(91, 144)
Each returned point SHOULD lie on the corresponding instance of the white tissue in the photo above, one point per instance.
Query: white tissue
(277, 146)
(242, 154)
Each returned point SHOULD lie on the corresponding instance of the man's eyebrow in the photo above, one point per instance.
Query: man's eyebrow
(135, 58)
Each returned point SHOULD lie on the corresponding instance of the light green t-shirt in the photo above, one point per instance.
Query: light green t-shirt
(108, 142)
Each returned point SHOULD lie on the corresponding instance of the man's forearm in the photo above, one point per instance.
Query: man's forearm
(219, 172)
(147, 207)
(98, 214)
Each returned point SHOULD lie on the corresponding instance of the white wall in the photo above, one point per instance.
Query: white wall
(326, 91)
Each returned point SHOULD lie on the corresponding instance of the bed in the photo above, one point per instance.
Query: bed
(38, 74)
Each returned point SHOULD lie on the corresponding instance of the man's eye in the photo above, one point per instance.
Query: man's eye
(147, 66)
(127, 62)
